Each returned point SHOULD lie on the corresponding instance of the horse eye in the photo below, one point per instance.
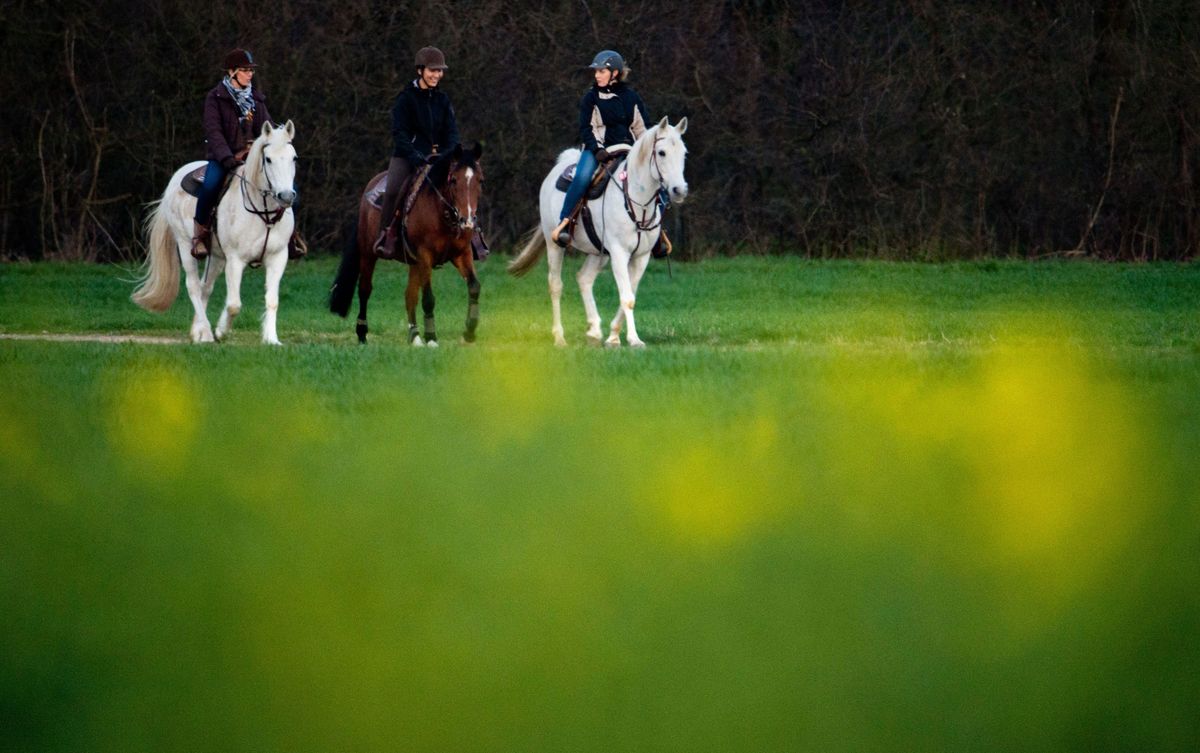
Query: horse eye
(267, 160)
(662, 153)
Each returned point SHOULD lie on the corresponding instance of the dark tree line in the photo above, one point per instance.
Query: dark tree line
(918, 129)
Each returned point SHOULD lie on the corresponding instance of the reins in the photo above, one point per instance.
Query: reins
(269, 217)
(451, 214)
(652, 215)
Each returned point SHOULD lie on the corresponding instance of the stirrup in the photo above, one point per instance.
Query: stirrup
(562, 233)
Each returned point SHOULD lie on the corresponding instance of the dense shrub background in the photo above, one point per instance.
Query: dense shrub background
(914, 129)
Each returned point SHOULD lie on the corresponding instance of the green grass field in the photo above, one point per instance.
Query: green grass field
(834, 506)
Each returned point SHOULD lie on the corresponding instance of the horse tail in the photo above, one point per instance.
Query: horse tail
(531, 254)
(342, 292)
(159, 285)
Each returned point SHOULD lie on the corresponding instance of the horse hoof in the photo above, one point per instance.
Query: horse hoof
(432, 344)
(560, 342)
(613, 342)
(593, 340)
(417, 342)
(637, 344)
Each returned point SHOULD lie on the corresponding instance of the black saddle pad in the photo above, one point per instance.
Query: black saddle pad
(600, 180)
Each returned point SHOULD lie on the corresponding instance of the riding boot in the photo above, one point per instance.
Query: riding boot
(385, 245)
(562, 233)
(200, 241)
(297, 248)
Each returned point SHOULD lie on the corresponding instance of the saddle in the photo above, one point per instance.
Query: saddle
(194, 180)
(600, 178)
(409, 191)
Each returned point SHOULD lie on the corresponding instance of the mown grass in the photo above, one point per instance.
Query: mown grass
(834, 506)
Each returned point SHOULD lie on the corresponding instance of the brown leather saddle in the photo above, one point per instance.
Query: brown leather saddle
(600, 178)
(195, 179)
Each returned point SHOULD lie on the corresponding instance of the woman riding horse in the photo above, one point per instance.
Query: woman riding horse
(234, 114)
(610, 113)
(423, 123)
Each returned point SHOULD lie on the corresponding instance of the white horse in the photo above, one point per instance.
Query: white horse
(627, 219)
(253, 224)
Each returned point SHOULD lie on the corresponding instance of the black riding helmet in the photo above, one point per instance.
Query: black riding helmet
(609, 59)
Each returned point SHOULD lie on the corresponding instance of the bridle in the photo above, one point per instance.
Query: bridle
(268, 216)
(651, 212)
(450, 212)
(265, 214)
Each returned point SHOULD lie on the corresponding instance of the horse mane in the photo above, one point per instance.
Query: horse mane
(644, 143)
(254, 161)
(440, 172)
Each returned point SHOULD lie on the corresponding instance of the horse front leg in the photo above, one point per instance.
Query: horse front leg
(586, 277)
(467, 269)
(637, 268)
(620, 267)
(201, 330)
(418, 276)
(274, 273)
(554, 260)
(427, 303)
(233, 296)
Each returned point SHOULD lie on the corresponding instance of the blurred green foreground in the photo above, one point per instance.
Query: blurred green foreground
(832, 542)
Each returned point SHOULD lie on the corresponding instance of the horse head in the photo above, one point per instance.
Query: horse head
(271, 165)
(458, 179)
(668, 153)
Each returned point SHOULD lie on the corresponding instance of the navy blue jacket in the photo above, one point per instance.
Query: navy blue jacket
(422, 120)
(611, 115)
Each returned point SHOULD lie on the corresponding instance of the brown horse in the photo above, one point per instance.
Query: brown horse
(439, 229)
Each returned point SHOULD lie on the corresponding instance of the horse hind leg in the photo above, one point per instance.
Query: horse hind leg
(427, 303)
(201, 329)
(554, 263)
(366, 275)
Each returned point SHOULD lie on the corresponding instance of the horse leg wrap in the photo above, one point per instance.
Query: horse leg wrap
(361, 330)
(430, 331)
(413, 333)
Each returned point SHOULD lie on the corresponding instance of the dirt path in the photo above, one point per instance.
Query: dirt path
(72, 338)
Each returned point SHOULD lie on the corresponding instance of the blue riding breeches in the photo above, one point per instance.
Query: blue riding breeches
(214, 177)
(579, 184)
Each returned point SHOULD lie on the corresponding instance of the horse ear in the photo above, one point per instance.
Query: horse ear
(681, 126)
(663, 123)
(477, 152)
(290, 129)
(457, 153)
(267, 128)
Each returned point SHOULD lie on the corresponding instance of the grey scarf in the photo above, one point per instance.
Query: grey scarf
(244, 98)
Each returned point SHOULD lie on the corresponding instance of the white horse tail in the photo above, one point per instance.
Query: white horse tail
(160, 284)
(531, 254)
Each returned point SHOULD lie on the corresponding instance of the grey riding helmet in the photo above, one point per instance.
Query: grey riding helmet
(609, 59)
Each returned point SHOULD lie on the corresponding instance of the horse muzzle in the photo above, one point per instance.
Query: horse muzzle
(287, 198)
(679, 193)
